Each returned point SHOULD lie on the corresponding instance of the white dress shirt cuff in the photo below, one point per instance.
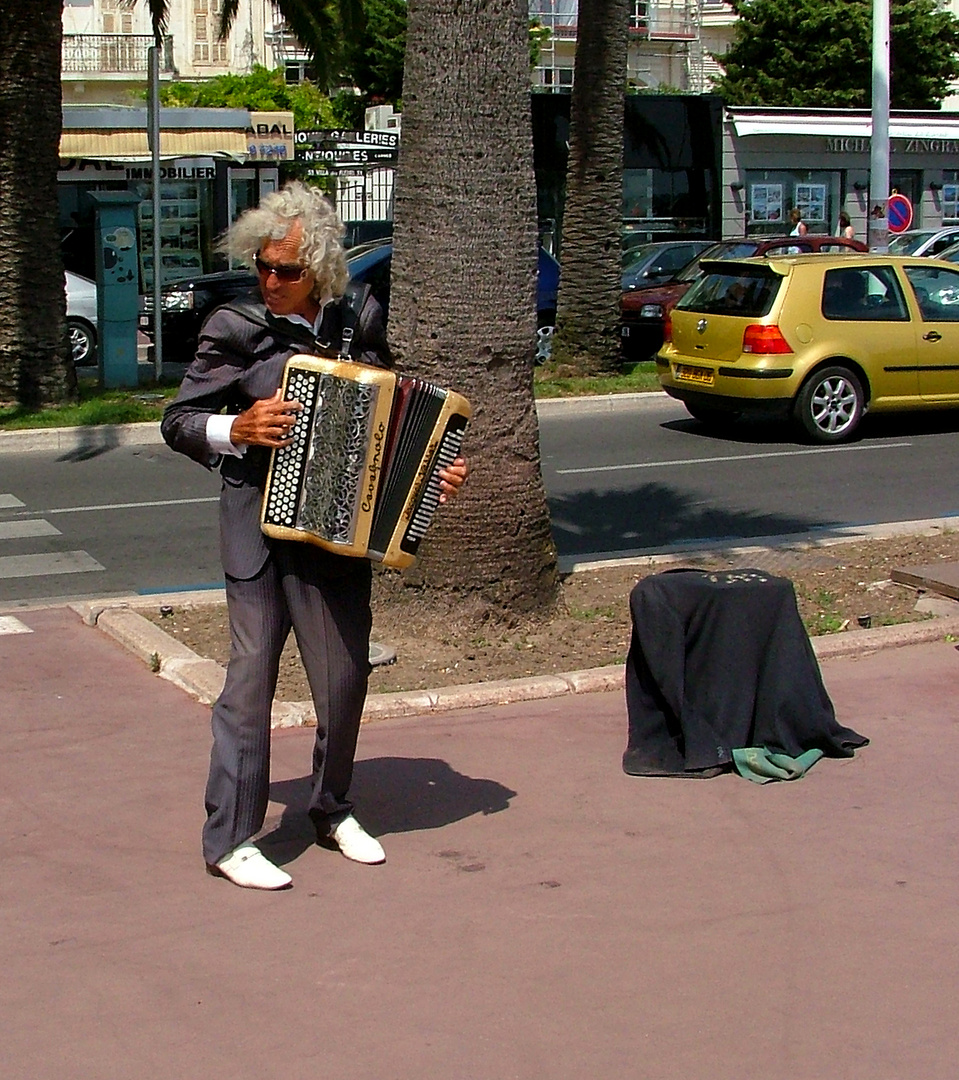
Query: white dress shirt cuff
(218, 427)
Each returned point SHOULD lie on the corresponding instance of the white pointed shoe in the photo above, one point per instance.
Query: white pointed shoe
(356, 843)
(249, 868)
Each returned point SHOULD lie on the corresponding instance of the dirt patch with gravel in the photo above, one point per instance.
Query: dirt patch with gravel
(838, 587)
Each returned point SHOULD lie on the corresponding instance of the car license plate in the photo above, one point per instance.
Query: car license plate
(688, 373)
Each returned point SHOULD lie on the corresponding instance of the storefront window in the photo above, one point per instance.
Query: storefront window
(950, 196)
(772, 193)
(674, 196)
(185, 210)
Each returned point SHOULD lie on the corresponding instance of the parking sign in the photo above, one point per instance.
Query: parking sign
(899, 213)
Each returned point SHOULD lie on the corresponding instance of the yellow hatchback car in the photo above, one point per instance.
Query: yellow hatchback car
(820, 338)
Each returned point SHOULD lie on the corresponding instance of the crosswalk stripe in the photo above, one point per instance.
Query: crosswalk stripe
(9, 502)
(18, 530)
(11, 625)
(60, 562)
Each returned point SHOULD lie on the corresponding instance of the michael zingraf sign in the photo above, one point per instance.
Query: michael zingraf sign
(337, 147)
(861, 144)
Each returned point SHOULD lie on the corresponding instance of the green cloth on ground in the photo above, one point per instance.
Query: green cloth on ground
(760, 765)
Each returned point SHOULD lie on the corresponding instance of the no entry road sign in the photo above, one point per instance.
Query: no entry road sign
(899, 213)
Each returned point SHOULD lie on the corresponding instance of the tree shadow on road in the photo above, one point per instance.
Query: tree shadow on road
(656, 516)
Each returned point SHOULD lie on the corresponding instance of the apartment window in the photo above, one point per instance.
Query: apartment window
(557, 79)
(297, 71)
(207, 49)
(117, 18)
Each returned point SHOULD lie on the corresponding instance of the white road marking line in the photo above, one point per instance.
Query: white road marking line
(11, 625)
(734, 457)
(129, 506)
(18, 530)
(61, 562)
(8, 502)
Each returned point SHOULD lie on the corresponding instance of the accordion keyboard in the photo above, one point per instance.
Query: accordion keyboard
(447, 453)
(284, 494)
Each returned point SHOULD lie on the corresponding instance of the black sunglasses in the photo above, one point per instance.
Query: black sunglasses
(283, 273)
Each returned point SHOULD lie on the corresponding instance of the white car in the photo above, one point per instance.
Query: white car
(82, 318)
(924, 241)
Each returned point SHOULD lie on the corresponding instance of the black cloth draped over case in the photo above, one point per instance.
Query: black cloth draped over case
(720, 661)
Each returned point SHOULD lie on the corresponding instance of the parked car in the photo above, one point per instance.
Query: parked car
(949, 254)
(187, 303)
(82, 318)
(928, 242)
(644, 311)
(659, 262)
(820, 339)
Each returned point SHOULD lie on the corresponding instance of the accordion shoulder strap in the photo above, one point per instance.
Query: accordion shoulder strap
(351, 305)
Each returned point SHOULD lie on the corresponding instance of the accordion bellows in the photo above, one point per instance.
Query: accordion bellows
(361, 476)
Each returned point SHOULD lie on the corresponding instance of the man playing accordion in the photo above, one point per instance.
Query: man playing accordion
(229, 414)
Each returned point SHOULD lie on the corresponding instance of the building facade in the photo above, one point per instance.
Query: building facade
(670, 43)
(105, 43)
(214, 163)
(819, 161)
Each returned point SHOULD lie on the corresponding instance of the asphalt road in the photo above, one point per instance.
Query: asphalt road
(648, 478)
(622, 480)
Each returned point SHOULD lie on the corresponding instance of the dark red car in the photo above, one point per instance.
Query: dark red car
(644, 311)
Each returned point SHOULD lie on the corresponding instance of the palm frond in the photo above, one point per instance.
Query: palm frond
(227, 15)
(159, 10)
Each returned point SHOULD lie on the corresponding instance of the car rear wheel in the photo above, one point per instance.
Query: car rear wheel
(830, 404)
(83, 342)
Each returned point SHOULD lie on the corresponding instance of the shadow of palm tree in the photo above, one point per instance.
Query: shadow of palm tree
(654, 516)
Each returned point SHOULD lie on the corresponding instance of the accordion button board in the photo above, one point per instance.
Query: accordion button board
(361, 475)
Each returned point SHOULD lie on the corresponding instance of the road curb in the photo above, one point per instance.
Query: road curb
(602, 403)
(203, 679)
(80, 439)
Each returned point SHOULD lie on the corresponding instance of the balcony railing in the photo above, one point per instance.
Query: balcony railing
(655, 19)
(112, 54)
(663, 19)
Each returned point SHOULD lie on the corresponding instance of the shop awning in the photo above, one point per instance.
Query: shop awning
(842, 123)
(118, 133)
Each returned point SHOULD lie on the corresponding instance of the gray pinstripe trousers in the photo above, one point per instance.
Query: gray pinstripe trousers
(326, 601)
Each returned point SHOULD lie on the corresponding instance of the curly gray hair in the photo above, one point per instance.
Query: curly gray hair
(321, 248)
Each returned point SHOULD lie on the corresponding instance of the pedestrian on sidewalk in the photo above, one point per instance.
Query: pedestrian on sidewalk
(799, 227)
(845, 228)
(229, 414)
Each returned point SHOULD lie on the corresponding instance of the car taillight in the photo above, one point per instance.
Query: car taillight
(667, 329)
(764, 339)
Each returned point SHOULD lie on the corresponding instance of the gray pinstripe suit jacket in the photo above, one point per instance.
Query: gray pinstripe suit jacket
(238, 361)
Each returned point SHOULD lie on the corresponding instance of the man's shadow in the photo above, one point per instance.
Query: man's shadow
(393, 794)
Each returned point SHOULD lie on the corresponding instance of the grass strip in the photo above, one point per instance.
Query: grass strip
(95, 407)
(145, 404)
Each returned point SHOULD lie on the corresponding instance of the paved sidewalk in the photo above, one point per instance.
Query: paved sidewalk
(541, 914)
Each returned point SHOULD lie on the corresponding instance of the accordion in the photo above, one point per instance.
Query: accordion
(361, 476)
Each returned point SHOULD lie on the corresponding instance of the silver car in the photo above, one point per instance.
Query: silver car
(924, 241)
(82, 318)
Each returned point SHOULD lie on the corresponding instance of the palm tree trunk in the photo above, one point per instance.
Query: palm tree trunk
(587, 314)
(34, 351)
(463, 289)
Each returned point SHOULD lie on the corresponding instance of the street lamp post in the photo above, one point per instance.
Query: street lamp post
(877, 223)
(153, 138)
